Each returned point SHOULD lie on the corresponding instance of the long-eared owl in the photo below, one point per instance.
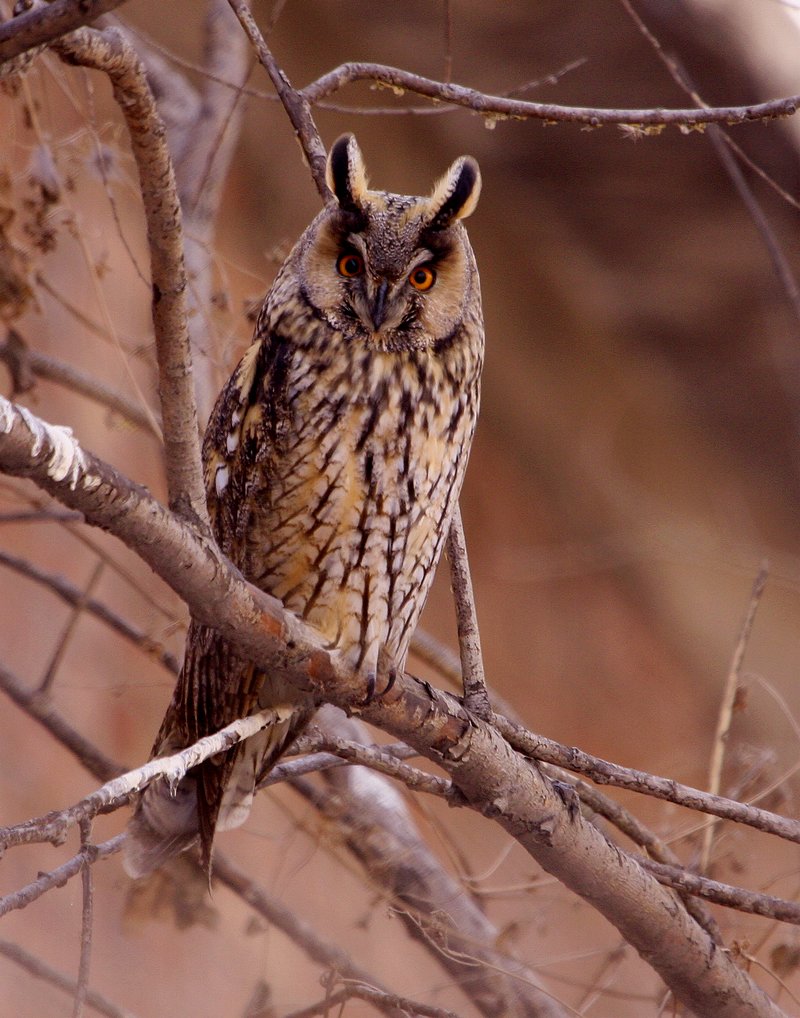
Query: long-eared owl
(333, 461)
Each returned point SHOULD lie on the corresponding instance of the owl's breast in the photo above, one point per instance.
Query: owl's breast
(359, 502)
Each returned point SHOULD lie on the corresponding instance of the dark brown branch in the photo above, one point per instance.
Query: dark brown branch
(492, 779)
(295, 103)
(498, 107)
(48, 23)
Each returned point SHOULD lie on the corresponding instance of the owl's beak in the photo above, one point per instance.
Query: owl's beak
(377, 311)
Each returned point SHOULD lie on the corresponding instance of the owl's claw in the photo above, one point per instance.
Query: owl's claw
(371, 679)
(372, 682)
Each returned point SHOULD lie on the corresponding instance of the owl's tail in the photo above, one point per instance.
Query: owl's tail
(166, 823)
(217, 794)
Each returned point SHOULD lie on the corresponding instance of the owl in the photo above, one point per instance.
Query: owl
(333, 461)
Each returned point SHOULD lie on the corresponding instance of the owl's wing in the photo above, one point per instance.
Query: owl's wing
(216, 685)
(246, 425)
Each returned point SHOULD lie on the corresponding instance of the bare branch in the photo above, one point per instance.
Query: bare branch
(295, 103)
(725, 717)
(109, 51)
(476, 696)
(385, 763)
(58, 877)
(72, 622)
(87, 912)
(436, 910)
(725, 894)
(495, 107)
(41, 709)
(226, 872)
(382, 1001)
(118, 790)
(605, 773)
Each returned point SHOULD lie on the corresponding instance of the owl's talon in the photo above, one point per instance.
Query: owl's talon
(389, 682)
(371, 679)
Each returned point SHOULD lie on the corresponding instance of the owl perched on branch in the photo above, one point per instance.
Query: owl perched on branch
(333, 460)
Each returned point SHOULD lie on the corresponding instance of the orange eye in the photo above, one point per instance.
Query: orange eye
(422, 278)
(350, 265)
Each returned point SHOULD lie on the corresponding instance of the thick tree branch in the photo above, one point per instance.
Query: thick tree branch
(493, 779)
(109, 51)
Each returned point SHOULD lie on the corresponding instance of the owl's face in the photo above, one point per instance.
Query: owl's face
(392, 271)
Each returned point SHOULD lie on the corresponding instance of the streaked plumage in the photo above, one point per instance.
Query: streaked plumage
(333, 460)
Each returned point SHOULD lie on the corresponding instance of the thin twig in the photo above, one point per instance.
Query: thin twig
(295, 103)
(82, 988)
(41, 709)
(324, 952)
(59, 877)
(724, 894)
(383, 1001)
(726, 709)
(476, 696)
(495, 107)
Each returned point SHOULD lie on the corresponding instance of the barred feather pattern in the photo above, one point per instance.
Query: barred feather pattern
(333, 461)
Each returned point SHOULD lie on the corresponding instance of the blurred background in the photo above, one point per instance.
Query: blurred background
(638, 457)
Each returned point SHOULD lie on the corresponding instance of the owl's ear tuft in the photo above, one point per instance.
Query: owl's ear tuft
(345, 174)
(456, 194)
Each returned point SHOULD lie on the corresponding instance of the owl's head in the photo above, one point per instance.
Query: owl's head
(394, 271)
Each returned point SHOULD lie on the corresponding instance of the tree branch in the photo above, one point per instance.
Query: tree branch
(501, 108)
(109, 51)
(606, 773)
(476, 695)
